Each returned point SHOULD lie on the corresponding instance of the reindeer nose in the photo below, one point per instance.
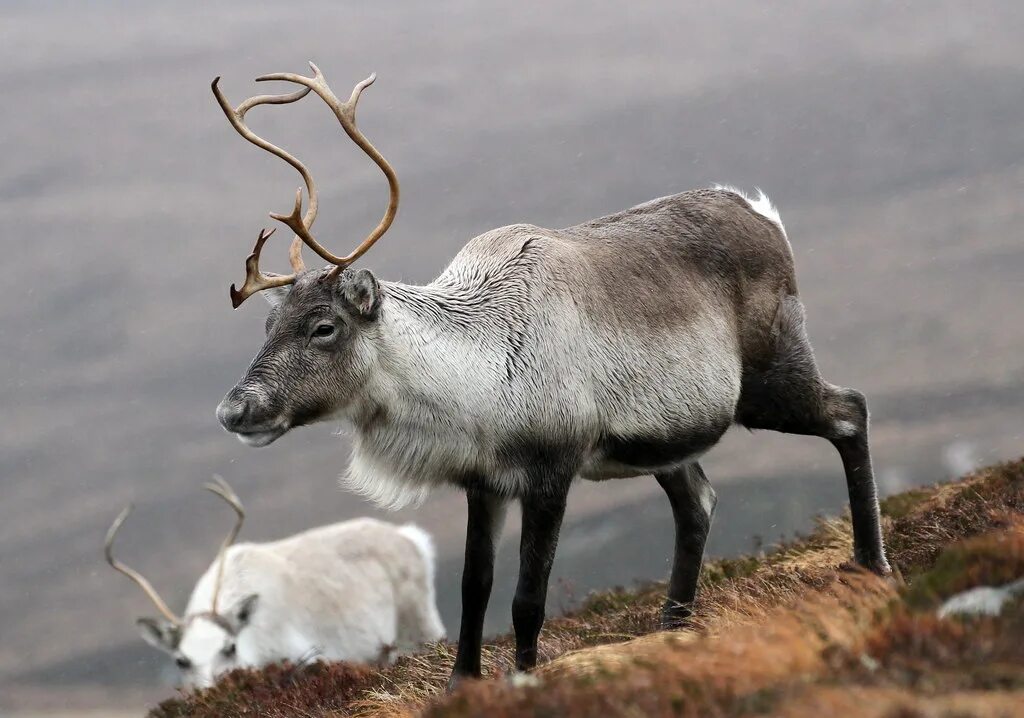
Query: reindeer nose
(233, 411)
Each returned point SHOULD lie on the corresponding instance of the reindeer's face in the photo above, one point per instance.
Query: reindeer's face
(206, 646)
(314, 358)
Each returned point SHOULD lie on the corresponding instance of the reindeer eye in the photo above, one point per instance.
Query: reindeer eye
(323, 331)
(183, 663)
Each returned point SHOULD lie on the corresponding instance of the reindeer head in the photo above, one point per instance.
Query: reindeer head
(203, 644)
(316, 352)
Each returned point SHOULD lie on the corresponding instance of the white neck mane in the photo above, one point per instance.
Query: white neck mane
(440, 365)
(446, 367)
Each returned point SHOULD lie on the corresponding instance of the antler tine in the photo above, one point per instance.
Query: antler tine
(295, 223)
(236, 116)
(131, 573)
(295, 255)
(255, 280)
(221, 488)
(346, 114)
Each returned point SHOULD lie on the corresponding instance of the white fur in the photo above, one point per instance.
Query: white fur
(707, 499)
(382, 488)
(762, 205)
(359, 590)
(275, 295)
(844, 428)
(423, 542)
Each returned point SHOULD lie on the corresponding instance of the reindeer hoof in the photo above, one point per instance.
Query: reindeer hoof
(879, 567)
(456, 680)
(675, 615)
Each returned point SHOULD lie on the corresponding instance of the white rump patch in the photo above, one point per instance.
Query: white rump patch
(762, 205)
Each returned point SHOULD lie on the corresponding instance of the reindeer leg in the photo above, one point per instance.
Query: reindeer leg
(789, 395)
(486, 518)
(693, 505)
(542, 519)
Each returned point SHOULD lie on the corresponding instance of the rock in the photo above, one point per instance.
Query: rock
(981, 601)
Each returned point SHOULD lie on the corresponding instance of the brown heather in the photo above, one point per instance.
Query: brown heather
(798, 633)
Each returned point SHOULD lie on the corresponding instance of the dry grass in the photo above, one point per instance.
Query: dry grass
(983, 501)
(796, 633)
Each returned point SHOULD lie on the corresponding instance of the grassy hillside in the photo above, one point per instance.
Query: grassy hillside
(796, 633)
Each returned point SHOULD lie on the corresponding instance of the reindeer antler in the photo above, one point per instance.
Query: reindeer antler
(254, 280)
(131, 573)
(346, 114)
(221, 488)
(299, 224)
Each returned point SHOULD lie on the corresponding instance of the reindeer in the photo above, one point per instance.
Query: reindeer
(360, 590)
(620, 347)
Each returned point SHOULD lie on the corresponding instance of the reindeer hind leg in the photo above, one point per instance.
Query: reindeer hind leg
(788, 394)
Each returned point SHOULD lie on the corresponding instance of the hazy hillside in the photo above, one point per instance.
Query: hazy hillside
(890, 138)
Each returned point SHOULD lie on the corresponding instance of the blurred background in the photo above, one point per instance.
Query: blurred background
(888, 134)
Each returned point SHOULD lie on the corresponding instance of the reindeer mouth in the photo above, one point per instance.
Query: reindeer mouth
(261, 438)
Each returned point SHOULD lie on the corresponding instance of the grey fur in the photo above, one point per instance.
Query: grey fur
(623, 346)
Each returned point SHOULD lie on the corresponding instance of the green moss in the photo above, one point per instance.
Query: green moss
(899, 505)
(929, 589)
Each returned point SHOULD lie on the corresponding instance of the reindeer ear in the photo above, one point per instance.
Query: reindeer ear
(276, 295)
(361, 291)
(243, 611)
(162, 635)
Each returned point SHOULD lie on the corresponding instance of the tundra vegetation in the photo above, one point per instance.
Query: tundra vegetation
(797, 632)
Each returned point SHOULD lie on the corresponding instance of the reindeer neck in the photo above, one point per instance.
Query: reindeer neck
(439, 353)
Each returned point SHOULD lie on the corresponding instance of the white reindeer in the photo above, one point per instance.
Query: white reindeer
(360, 590)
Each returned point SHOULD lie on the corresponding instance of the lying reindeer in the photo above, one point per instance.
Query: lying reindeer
(360, 590)
(623, 346)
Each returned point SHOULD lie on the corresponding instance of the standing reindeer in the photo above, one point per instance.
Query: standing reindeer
(620, 347)
(359, 590)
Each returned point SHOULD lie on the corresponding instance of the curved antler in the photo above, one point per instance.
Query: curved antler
(134, 575)
(346, 114)
(299, 224)
(254, 281)
(221, 488)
